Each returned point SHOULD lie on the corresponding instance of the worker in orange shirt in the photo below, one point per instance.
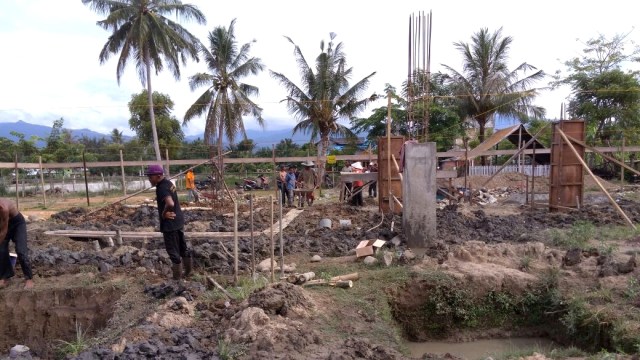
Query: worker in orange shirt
(192, 193)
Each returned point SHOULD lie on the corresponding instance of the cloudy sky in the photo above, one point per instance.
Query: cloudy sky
(50, 69)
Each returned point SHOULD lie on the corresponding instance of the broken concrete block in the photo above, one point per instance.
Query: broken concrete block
(388, 258)
(368, 247)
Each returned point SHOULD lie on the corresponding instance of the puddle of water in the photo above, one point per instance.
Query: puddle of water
(479, 349)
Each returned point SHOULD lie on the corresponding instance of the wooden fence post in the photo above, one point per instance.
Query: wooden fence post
(124, 180)
(44, 194)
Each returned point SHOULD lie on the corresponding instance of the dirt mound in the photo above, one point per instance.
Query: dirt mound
(281, 299)
(131, 218)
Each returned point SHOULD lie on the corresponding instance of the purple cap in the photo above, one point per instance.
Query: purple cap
(154, 170)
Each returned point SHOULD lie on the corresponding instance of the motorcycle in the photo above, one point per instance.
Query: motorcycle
(250, 184)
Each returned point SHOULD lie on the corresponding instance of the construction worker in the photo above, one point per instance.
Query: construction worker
(190, 180)
(171, 222)
(13, 227)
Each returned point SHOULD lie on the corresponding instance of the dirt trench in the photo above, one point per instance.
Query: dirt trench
(46, 318)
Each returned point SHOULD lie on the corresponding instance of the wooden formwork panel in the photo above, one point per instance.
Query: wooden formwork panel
(383, 175)
(566, 180)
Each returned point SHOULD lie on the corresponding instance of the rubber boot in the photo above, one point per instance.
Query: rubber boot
(188, 265)
(177, 271)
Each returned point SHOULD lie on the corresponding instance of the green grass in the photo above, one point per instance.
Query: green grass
(75, 346)
(230, 351)
(368, 298)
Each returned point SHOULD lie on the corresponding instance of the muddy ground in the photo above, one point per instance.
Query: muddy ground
(494, 271)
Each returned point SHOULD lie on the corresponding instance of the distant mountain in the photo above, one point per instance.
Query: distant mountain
(266, 138)
(262, 138)
(43, 131)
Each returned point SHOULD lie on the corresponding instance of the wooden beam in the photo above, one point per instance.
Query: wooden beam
(286, 220)
(139, 234)
(586, 167)
(520, 150)
(359, 157)
(610, 158)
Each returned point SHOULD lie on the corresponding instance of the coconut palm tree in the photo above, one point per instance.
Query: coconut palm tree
(142, 32)
(325, 95)
(226, 99)
(486, 86)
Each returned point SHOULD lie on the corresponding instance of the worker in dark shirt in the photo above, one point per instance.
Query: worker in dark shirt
(13, 228)
(171, 222)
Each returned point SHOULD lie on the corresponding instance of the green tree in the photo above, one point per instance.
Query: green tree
(169, 132)
(226, 98)
(486, 86)
(26, 149)
(325, 95)
(142, 31)
(376, 124)
(603, 94)
(286, 147)
(116, 136)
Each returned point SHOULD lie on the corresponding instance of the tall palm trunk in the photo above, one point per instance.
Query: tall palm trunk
(154, 131)
(482, 122)
(220, 159)
(322, 157)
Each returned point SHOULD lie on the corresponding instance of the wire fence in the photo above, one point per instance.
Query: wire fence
(540, 170)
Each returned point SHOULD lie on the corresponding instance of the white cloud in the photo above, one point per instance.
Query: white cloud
(50, 65)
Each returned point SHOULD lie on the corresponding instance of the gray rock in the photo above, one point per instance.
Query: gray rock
(148, 349)
(370, 260)
(316, 258)
(105, 267)
(409, 255)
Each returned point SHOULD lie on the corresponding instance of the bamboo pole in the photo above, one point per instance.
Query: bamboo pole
(44, 193)
(253, 242)
(86, 182)
(622, 167)
(533, 176)
(610, 158)
(124, 181)
(395, 163)
(281, 241)
(273, 274)
(166, 152)
(144, 189)
(17, 181)
(235, 242)
(516, 154)
(613, 202)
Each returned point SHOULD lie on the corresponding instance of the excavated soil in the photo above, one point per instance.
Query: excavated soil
(480, 248)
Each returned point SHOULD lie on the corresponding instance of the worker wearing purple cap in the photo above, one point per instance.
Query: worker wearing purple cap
(171, 222)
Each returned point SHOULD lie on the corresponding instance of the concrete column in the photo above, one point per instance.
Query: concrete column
(419, 194)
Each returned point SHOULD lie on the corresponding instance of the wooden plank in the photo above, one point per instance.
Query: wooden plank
(351, 177)
(359, 157)
(286, 220)
(139, 234)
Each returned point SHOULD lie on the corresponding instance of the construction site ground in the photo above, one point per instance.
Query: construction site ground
(495, 271)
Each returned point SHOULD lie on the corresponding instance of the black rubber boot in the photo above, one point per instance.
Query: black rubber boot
(177, 271)
(188, 265)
